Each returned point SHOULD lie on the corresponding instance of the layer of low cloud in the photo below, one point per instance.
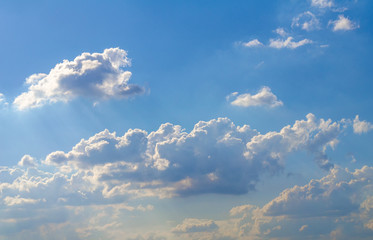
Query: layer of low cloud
(343, 24)
(264, 97)
(96, 76)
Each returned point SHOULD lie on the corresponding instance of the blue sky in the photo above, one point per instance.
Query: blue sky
(186, 119)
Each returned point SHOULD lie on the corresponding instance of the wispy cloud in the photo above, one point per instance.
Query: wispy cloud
(191, 225)
(281, 32)
(253, 43)
(288, 43)
(3, 101)
(96, 76)
(306, 21)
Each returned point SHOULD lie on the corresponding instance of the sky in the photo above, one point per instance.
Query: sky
(150, 120)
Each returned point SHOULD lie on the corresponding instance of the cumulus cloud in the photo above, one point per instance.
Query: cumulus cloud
(306, 21)
(361, 126)
(215, 157)
(288, 43)
(105, 172)
(27, 161)
(343, 24)
(96, 76)
(253, 43)
(322, 3)
(263, 98)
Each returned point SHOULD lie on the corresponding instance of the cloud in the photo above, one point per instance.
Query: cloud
(281, 32)
(288, 43)
(322, 3)
(302, 228)
(361, 126)
(27, 161)
(106, 175)
(17, 200)
(339, 204)
(191, 225)
(343, 24)
(342, 199)
(253, 43)
(3, 101)
(96, 76)
(306, 21)
(215, 157)
(263, 98)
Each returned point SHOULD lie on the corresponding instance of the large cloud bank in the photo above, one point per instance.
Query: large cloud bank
(107, 174)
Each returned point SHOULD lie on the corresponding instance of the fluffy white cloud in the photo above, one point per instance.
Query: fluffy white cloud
(306, 21)
(288, 43)
(27, 161)
(93, 75)
(322, 3)
(361, 126)
(263, 98)
(253, 43)
(343, 24)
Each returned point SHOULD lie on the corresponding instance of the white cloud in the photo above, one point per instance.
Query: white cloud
(96, 76)
(215, 157)
(322, 3)
(17, 200)
(253, 43)
(288, 43)
(343, 24)
(191, 225)
(27, 161)
(281, 32)
(361, 126)
(306, 21)
(3, 101)
(263, 98)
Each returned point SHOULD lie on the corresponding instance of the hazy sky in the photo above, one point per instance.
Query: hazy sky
(186, 119)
